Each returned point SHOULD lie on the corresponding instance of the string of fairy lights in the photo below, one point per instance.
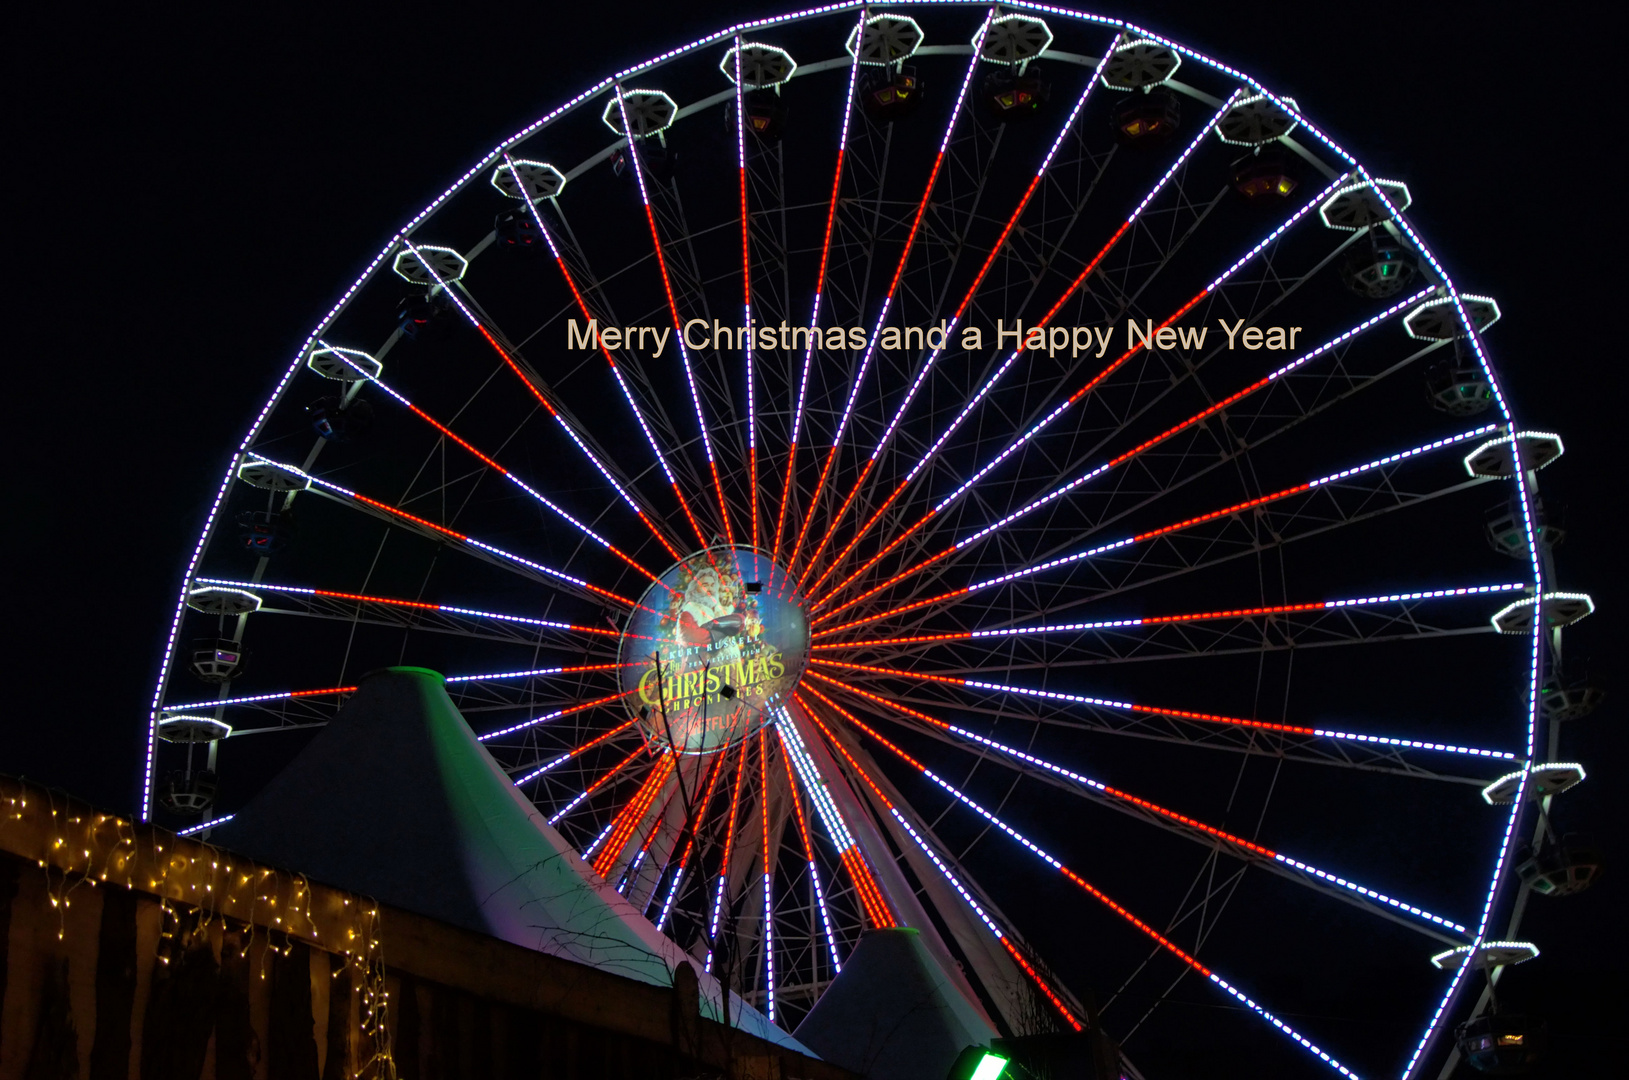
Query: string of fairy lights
(208, 898)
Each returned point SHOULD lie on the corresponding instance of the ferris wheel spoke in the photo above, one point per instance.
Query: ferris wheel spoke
(458, 293)
(1126, 456)
(583, 285)
(1291, 869)
(802, 397)
(746, 292)
(556, 579)
(1037, 426)
(490, 463)
(418, 615)
(610, 776)
(947, 868)
(532, 770)
(1170, 946)
(881, 319)
(926, 367)
(1121, 911)
(824, 929)
(1379, 478)
(693, 825)
(1096, 704)
(1251, 629)
(667, 269)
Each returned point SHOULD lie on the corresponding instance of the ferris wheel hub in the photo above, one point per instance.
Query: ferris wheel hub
(715, 646)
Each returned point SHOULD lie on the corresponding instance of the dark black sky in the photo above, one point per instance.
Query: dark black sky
(170, 166)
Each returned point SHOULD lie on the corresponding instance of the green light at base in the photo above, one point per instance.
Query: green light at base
(990, 1067)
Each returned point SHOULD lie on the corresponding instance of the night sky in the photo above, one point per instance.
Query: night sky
(191, 190)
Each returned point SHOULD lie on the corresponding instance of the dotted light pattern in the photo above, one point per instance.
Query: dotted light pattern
(814, 870)
(222, 820)
(506, 474)
(882, 320)
(820, 291)
(1152, 710)
(546, 717)
(1012, 358)
(1164, 942)
(1115, 545)
(638, 169)
(450, 609)
(595, 786)
(563, 758)
(547, 571)
(1200, 616)
(950, 329)
(1005, 939)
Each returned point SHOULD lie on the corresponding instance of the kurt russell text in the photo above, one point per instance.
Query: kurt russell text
(1052, 340)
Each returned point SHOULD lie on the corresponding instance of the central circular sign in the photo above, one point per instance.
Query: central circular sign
(716, 643)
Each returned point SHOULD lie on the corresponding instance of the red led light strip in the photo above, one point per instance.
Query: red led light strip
(628, 819)
(1180, 714)
(1125, 796)
(1023, 963)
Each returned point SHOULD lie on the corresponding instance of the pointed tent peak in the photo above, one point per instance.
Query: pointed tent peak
(397, 799)
(407, 669)
(892, 1014)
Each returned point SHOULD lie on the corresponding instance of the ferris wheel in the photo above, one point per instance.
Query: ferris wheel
(932, 465)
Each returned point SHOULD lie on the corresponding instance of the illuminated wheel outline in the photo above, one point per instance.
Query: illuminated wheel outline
(677, 495)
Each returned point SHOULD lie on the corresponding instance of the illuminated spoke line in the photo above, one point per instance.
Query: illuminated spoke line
(1163, 620)
(1098, 894)
(746, 290)
(253, 699)
(505, 473)
(882, 318)
(534, 721)
(547, 573)
(1190, 825)
(627, 394)
(955, 322)
(1136, 451)
(628, 819)
(531, 384)
(1164, 530)
(568, 755)
(809, 857)
(449, 609)
(724, 858)
(769, 874)
(678, 320)
(873, 902)
(820, 292)
(1091, 384)
(1152, 710)
(588, 793)
(693, 827)
(933, 856)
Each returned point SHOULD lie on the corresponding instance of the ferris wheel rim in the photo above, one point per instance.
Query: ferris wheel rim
(1452, 297)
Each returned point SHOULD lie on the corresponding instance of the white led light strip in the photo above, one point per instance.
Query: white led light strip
(1105, 467)
(1389, 459)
